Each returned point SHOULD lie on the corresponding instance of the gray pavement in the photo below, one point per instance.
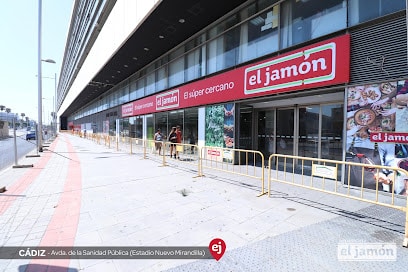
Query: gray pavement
(80, 193)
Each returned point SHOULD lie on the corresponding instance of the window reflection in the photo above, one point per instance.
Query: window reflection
(363, 10)
(332, 131)
(260, 35)
(302, 20)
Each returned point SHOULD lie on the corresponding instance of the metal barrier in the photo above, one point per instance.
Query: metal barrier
(311, 173)
(242, 162)
(171, 152)
(325, 176)
(248, 163)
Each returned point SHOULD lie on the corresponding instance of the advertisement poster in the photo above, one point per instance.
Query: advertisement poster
(377, 126)
(219, 130)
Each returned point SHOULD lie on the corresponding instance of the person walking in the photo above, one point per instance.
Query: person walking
(173, 140)
(158, 138)
(179, 136)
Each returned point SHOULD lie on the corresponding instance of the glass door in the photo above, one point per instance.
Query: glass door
(266, 132)
(308, 139)
(245, 128)
(285, 131)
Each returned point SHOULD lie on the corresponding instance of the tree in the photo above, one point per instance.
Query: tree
(22, 119)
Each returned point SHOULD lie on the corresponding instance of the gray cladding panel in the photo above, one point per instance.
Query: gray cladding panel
(379, 52)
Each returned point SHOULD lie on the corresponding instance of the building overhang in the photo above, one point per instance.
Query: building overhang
(168, 25)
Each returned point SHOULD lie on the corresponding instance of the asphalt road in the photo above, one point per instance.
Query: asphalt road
(7, 157)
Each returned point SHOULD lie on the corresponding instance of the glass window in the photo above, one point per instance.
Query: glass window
(132, 91)
(194, 60)
(266, 132)
(176, 70)
(150, 126)
(262, 4)
(363, 10)
(222, 52)
(176, 118)
(259, 36)
(332, 131)
(124, 127)
(245, 128)
(191, 127)
(132, 128)
(150, 80)
(248, 11)
(302, 20)
(309, 131)
(161, 83)
(223, 26)
(161, 122)
(176, 67)
(137, 127)
(140, 88)
(124, 95)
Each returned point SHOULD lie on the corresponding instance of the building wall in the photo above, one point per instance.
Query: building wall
(122, 21)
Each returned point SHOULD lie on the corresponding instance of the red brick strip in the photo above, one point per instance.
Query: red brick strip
(61, 230)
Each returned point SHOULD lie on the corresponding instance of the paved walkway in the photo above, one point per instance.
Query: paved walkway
(82, 194)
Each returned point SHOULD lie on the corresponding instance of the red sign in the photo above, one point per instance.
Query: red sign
(127, 110)
(168, 100)
(389, 137)
(214, 152)
(306, 67)
(322, 64)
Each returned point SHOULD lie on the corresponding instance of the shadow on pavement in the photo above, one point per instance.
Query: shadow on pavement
(43, 268)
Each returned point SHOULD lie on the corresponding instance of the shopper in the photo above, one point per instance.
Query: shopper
(158, 138)
(173, 140)
(179, 136)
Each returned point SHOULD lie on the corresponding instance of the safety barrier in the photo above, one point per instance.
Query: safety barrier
(171, 152)
(322, 175)
(248, 163)
(325, 176)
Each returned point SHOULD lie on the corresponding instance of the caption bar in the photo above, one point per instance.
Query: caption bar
(105, 253)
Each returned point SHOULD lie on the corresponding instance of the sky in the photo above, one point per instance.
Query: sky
(19, 53)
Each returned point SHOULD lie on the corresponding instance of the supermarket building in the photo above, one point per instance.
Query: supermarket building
(297, 77)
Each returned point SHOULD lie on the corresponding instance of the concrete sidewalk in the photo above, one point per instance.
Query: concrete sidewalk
(83, 194)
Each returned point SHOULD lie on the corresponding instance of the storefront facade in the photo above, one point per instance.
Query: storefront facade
(283, 77)
(239, 115)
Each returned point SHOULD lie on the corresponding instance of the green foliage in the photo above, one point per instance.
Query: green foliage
(214, 126)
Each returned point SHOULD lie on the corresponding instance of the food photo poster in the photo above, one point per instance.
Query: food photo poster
(377, 126)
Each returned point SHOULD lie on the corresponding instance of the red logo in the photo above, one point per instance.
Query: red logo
(168, 100)
(213, 152)
(217, 248)
(310, 66)
(127, 110)
(389, 137)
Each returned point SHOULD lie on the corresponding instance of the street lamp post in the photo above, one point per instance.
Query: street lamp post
(39, 136)
(54, 103)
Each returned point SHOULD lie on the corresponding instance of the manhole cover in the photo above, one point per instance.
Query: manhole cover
(291, 209)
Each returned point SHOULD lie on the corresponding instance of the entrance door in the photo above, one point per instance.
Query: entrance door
(266, 132)
(285, 131)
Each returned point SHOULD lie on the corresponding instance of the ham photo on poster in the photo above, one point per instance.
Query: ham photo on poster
(377, 108)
